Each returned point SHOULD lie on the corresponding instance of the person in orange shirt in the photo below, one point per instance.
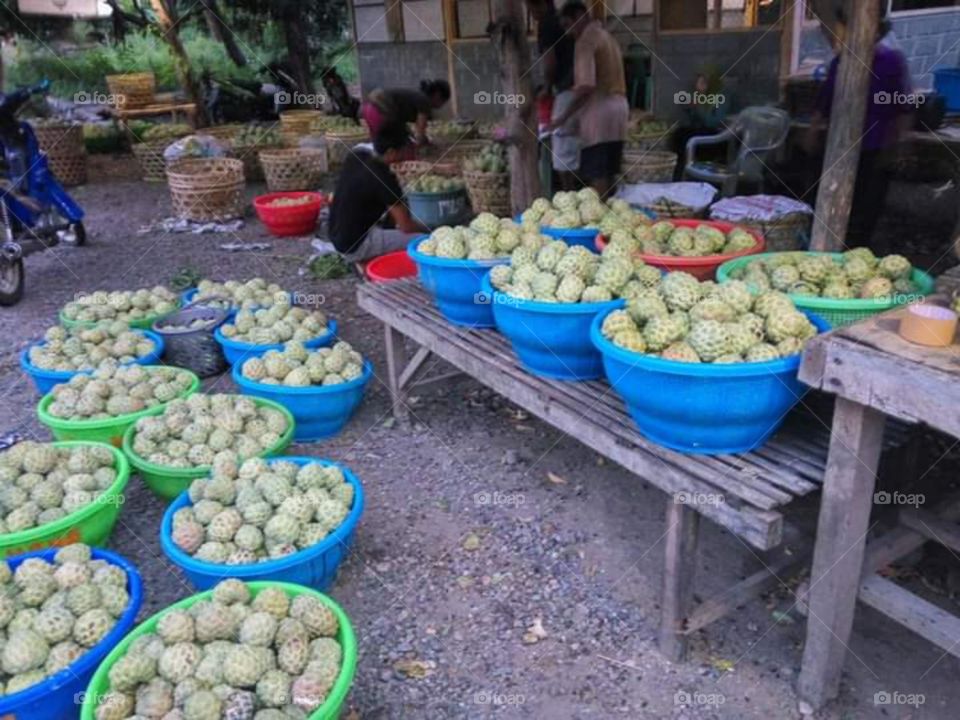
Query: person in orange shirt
(600, 98)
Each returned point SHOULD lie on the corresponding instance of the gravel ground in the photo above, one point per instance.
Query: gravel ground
(501, 569)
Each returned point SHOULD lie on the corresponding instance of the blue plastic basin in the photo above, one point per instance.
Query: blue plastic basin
(456, 286)
(315, 567)
(574, 236)
(320, 411)
(46, 380)
(703, 408)
(946, 81)
(236, 352)
(60, 696)
(551, 339)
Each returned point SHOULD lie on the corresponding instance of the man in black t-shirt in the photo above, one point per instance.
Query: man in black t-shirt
(368, 191)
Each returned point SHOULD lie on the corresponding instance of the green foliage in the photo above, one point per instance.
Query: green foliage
(329, 267)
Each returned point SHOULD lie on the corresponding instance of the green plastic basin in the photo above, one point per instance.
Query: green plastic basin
(331, 708)
(106, 431)
(168, 482)
(837, 312)
(91, 524)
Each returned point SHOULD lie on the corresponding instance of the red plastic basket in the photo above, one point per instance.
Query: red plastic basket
(392, 266)
(702, 268)
(290, 220)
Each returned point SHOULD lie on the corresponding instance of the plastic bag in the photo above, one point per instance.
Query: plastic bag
(196, 146)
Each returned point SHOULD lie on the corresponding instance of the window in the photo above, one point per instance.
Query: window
(630, 8)
(474, 16)
(370, 21)
(422, 20)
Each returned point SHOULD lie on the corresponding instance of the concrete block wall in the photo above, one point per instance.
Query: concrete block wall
(928, 40)
(406, 64)
(749, 59)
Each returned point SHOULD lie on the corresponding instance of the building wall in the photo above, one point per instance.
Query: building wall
(406, 64)
(753, 78)
(929, 40)
(749, 61)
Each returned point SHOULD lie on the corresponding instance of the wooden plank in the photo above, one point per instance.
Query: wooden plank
(760, 528)
(881, 333)
(679, 569)
(912, 611)
(416, 362)
(838, 556)
(945, 532)
(900, 541)
(765, 579)
(599, 403)
(395, 363)
(867, 376)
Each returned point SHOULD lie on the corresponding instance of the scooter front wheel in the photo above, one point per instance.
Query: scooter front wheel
(74, 235)
(11, 281)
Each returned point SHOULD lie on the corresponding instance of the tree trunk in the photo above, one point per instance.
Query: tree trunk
(219, 30)
(835, 196)
(513, 52)
(168, 31)
(298, 50)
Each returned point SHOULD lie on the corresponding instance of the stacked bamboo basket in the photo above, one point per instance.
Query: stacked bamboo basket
(66, 154)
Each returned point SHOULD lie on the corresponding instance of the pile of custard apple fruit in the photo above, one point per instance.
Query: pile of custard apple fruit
(241, 653)
(53, 613)
(295, 366)
(113, 390)
(122, 305)
(41, 483)
(86, 348)
(246, 295)
(854, 274)
(261, 510)
(582, 209)
(683, 319)
(485, 238)
(194, 432)
(666, 239)
(280, 323)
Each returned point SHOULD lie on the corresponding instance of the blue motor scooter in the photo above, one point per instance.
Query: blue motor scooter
(36, 213)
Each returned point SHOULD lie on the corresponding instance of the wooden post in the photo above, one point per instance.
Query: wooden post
(450, 34)
(855, 443)
(680, 564)
(168, 32)
(509, 35)
(717, 14)
(835, 196)
(393, 16)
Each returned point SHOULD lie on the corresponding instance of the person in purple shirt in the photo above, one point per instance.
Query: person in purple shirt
(889, 109)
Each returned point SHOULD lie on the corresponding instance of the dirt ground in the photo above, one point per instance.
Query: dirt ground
(482, 523)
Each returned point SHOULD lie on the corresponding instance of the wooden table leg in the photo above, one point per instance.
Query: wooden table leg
(679, 568)
(855, 444)
(396, 360)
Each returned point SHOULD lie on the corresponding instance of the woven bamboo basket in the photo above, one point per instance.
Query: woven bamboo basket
(132, 90)
(790, 232)
(70, 170)
(149, 154)
(489, 192)
(643, 142)
(411, 169)
(250, 155)
(652, 166)
(296, 123)
(293, 169)
(207, 189)
(222, 132)
(461, 151)
(667, 209)
(341, 142)
(60, 139)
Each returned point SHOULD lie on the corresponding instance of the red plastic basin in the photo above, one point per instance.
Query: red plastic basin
(702, 268)
(392, 266)
(289, 220)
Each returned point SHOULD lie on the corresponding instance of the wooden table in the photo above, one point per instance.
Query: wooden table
(751, 490)
(875, 375)
(163, 106)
